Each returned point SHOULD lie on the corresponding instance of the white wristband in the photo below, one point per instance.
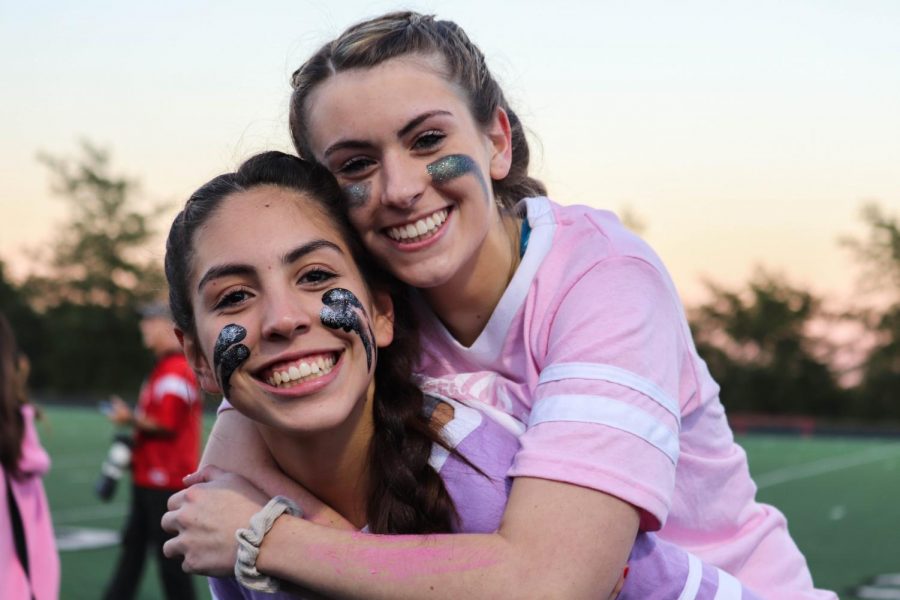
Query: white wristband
(249, 540)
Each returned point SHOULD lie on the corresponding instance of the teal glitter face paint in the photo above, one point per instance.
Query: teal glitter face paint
(448, 168)
(229, 354)
(343, 310)
(357, 195)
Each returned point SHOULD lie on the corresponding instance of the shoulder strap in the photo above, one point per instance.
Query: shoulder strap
(18, 528)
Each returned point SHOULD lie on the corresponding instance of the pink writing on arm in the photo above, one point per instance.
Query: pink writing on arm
(398, 557)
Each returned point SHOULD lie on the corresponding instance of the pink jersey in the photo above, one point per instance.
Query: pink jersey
(589, 345)
(31, 500)
(658, 570)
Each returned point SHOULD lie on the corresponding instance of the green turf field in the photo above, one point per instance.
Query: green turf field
(840, 496)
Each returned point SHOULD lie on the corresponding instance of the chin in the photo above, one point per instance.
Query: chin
(428, 274)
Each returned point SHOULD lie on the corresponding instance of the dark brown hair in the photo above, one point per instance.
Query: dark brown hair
(12, 397)
(405, 494)
(398, 34)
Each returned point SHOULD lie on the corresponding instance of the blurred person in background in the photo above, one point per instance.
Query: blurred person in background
(167, 427)
(29, 563)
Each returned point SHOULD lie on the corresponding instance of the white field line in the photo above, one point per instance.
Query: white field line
(876, 593)
(80, 514)
(826, 465)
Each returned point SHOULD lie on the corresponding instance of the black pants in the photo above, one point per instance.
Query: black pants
(142, 530)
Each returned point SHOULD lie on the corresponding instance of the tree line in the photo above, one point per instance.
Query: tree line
(769, 343)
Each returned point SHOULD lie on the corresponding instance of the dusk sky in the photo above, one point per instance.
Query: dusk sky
(741, 134)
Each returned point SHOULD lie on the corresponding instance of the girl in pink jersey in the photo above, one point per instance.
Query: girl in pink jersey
(29, 562)
(555, 315)
(329, 384)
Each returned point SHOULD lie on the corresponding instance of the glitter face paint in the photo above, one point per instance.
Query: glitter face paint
(448, 168)
(343, 310)
(357, 194)
(229, 354)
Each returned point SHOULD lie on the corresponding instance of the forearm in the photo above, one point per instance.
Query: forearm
(254, 462)
(354, 565)
(548, 546)
(151, 428)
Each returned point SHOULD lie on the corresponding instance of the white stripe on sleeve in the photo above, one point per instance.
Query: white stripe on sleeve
(612, 374)
(729, 587)
(695, 574)
(580, 408)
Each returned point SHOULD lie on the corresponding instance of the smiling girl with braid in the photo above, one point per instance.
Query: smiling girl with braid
(555, 316)
(277, 304)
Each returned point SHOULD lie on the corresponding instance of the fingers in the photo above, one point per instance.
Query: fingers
(205, 474)
(176, 500)
(171, 548)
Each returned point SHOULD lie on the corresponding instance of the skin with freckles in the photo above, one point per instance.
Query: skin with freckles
(450, 167)
(229, 354)
(343, 310)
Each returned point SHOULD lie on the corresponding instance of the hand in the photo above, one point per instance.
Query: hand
(204, 518)
(119, 412)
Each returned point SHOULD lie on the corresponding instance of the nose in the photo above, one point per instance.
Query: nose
(286, 315)
(404, 180)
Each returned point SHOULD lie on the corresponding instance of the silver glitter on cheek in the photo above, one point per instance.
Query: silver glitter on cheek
(343, 310)
(356, 194)
(448, 168)
(229, 354)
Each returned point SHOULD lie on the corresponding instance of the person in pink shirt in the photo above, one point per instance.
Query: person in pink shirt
(29, 563)
(317, 348)
(555, 315)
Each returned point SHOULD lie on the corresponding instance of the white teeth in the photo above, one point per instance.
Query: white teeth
(302, 370)
(422, 227)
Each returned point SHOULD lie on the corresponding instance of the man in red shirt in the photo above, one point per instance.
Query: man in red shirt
(167, 426)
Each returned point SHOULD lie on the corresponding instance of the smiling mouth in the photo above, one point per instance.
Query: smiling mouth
(420, 230)
(308, 368)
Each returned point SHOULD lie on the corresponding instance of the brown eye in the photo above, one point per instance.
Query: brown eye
(354, 166)
(429, 140)
(232, 298)
(315, 276)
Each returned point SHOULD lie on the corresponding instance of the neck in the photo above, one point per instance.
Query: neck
(332, 464)
(465, 303)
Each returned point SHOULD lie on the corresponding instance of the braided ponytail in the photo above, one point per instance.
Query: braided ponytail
(406, 494)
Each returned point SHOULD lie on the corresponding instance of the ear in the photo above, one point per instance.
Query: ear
(198, 362)
(499, 133)
(383, 319)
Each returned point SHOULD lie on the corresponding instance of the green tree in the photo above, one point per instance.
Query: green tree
(27, 324)
(93, 278)
(879, 253)
(757, 345)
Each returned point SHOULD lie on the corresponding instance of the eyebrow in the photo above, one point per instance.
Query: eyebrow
(294, 255)
(403, 131)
